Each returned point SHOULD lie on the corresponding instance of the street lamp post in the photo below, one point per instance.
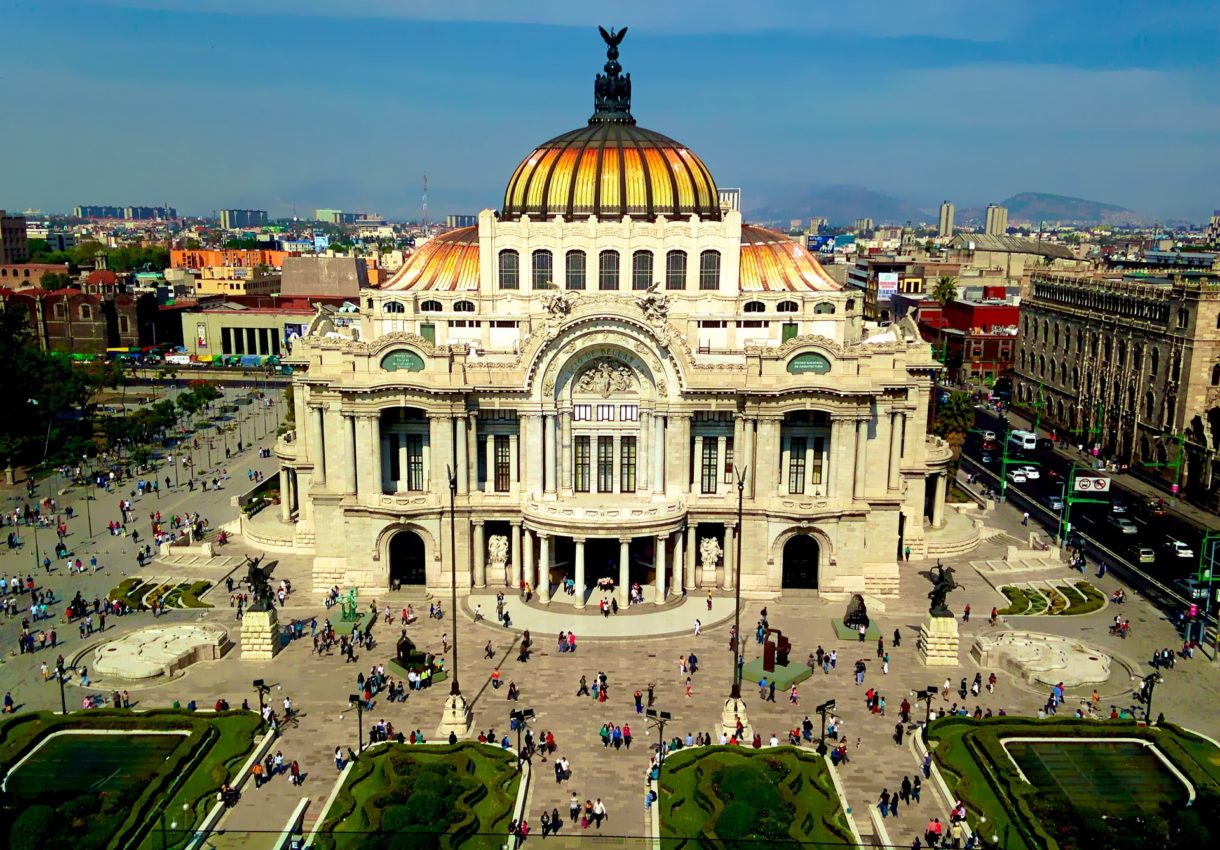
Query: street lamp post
(358, 701)
(63, 698)
(735, 693)
(1150, 682)
(520, 717)
(822, 710)
(455, 690)
(927, 695)
(263, 689)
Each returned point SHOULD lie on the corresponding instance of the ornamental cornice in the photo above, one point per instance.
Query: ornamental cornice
(398, 338)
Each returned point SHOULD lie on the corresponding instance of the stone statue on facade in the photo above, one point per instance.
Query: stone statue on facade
(605, 378)
(654, 306)
(558, 303)
(709, 553)
(497, 551)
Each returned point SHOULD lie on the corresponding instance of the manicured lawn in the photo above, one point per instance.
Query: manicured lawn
(87, 791)
(1086, 793)
(777, 795)
(417, 797)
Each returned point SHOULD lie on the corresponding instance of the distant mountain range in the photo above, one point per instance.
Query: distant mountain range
(845, 203)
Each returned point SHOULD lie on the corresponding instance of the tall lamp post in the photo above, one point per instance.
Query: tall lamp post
(822, 709)
(89, 496)
(263, 689)
(927, 694)
(735, 707)
(63, 698)
(1150, 682)
(357, 702)
(457, 718)
(519, 717)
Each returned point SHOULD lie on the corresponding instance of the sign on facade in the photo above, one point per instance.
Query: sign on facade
(809, 362)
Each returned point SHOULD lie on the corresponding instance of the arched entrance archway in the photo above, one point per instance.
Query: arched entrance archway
(801, 556)
(407, 564)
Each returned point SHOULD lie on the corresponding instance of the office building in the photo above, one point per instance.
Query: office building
(14, 243)
(945, 226)
(997, 220)
(237, 219)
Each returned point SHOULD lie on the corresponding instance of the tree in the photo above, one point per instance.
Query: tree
(55, 280)
(945, 290)
(954, 420)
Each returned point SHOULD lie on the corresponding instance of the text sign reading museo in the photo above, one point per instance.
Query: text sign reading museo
(1093, 485)
(809, 362)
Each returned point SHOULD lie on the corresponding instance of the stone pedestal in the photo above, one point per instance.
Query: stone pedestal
(455, 718)
(260, 635)
(938, 641)
(734, 709)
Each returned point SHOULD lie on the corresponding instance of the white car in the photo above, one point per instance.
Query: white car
(1124, 525)
(1178, 548)
(1031, 472)
(989, 435)
(1016, 476)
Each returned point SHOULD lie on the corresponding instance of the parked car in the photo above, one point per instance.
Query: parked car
(1147, 555)
(1031, 472)
(1178, 549)
(989, 435)
(985, 457)
(1124, 525)
(1016, 476)
(989, 445)
(1046, 443)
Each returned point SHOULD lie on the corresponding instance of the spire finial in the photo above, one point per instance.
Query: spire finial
(612, 90)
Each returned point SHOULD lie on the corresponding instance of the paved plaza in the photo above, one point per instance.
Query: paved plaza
(621, 646)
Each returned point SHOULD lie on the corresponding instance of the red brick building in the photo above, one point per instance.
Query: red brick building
(976, 340)
(79, 322)
(21, 275)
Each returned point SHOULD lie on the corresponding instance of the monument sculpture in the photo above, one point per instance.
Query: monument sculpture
(938, 637)
(942, 583)
(856, 614)
(776, 651)
(348, 607)
(497, 554)
(605, 378)
(709, 553)
(260, 631)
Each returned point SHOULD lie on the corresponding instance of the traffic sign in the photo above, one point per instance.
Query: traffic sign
(1091, 484)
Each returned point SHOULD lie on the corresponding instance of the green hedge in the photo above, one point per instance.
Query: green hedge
(214, 751)
(979, 771)
(1018, 600)
(717, 794)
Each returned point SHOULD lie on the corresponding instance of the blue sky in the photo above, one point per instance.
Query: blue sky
(275, 103)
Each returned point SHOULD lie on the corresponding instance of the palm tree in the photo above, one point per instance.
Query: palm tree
(954, 420)
(945, 289)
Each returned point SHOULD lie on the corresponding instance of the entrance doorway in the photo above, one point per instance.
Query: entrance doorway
(801, 562)
(407, 559)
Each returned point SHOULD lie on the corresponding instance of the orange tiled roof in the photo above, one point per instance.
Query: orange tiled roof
(770, 262)
(448, 262)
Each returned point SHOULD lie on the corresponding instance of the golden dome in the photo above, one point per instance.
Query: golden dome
(771, 262)
(611, 168)
(449, 261)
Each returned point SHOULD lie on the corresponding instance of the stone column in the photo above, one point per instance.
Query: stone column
(527, 562)
(516, 553)
(580, 571)
(440, 451)
(730, 554)
(388, 445)
(565, 453)
(364, 458)
(658, 453)
(739, 444)
(722, 448)
(938, 501)
(317, 445)
(785, 462)
(624, 570)
(531, 453)
(678, 566)
(896, 424)
(480, 556)
(692, 562)
(472, 451)
(659, 563)
(643, 445)
(766, 456)
(462, 454)
(860, 473)
(677, 454)
(514, 469)
(835, 477)
(347, 451)
(550, 454)
(285, 495)
(544, 568)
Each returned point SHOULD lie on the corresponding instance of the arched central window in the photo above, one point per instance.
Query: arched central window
(431, 306)
(510, 270)
(607, 270)
(641, 270)
(754, 307)
(463, 307)
(675, 270)
(709, 270)
(787, 307)
(574, 266)
(395, 307)
(543, 270)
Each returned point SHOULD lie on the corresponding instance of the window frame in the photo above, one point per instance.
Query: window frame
(627, 464)
(641, 278)
(606, 276)
(575, 274)
(508, 274)
(542, 274)
(675, 270)
(709, 270)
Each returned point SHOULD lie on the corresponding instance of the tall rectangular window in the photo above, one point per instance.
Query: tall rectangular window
(226, 340)
(607, 270)
(582, 412)
(709, 270)
(543, 270)
(641, 270)
(605, 464)
(580, 465)
(576, 269)
(500, 450)
(796, 465)
(707, 469)
(819, 459)
(605, 413)
(627, 463)
(728, 461)
(415, 462)
(510, 270)
(675, 270)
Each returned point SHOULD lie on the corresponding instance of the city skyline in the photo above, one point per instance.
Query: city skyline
(922, 104)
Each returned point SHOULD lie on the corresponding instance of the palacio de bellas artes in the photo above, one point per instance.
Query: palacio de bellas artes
(618, 384)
